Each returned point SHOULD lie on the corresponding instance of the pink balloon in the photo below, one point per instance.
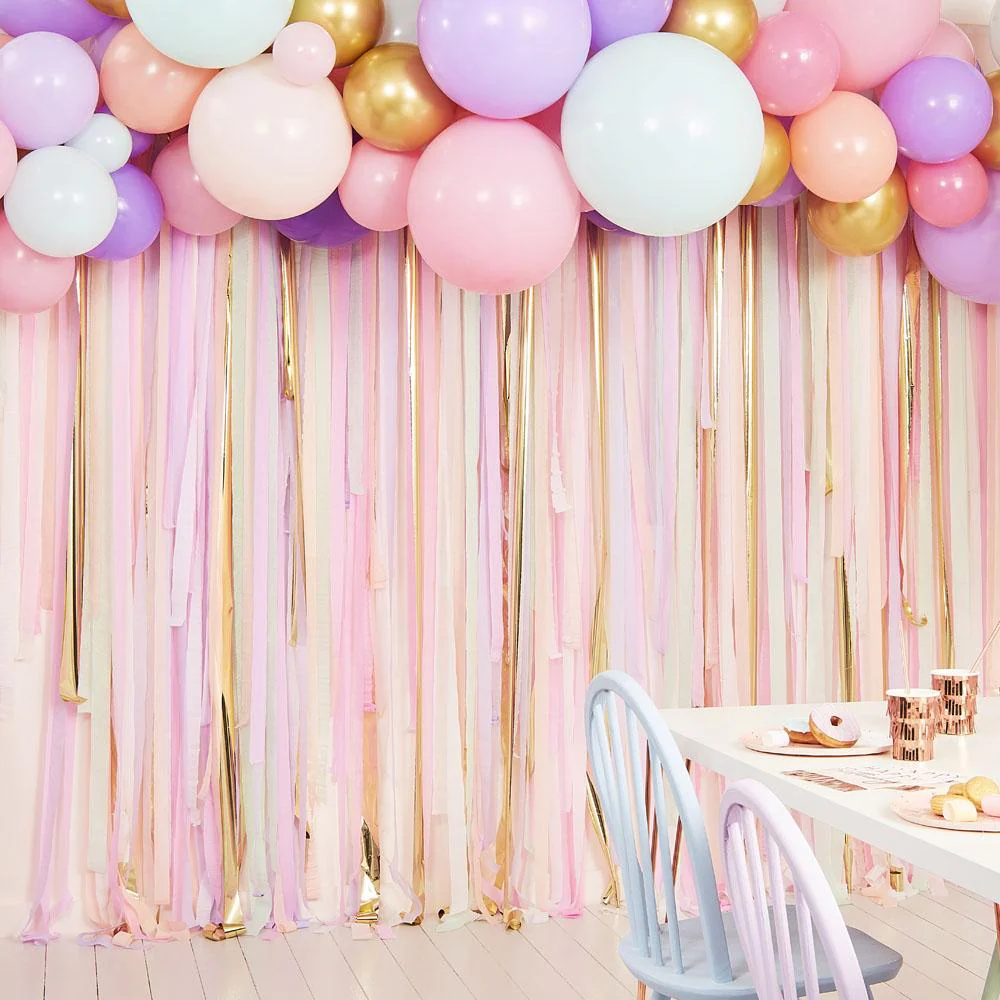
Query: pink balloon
(265, 147)
(8, 158)
(29, 281)
(492, 206)
(304, 53)
(794, 63)
(187, 206)
(949, 40)
(948, 194)
(876, 37)
(549, 120)
(374, 189)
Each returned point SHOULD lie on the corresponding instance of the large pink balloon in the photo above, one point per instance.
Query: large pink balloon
(374, 189)
(265, 147)
(948, 194)
(29, 281)
(492, 206)
(876, 37)
(794, 63)
(8, 158)
(187, 206)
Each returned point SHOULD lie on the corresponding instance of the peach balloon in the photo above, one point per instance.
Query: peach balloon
(265, 147)
(29, 281)
(845, 149)
(948, 194)
(8, 158)
(187, 206)
(374, 189)
(949, 40)
(147, 90)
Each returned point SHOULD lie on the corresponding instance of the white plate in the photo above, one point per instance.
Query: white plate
(915, 807)
(870, 745)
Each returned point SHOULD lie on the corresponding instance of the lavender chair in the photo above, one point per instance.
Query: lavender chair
(633, 756)
(799, 949)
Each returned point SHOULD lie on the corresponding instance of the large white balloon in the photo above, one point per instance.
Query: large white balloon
(768, 8)
(106, 140)
(663, 134)
(400, 21)
(210, 33)
(62, 202)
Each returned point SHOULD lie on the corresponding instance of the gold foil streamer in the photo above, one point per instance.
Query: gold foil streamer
(897, 879)
(69, 664)
(291, 391)
(596, 277)
(411, 279)
(370, 877)
(749, 218)
(233, 835)
(848, 678)
(946, 633)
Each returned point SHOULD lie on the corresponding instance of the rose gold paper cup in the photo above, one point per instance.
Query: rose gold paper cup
(914, 718)
(959, 696)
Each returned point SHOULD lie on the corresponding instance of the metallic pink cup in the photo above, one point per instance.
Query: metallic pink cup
(914, 717)
(959, 700)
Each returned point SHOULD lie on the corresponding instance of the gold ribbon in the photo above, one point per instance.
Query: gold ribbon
(946, 635)
(69, 664)
(233, 835)
(370, 877)
(848, 678)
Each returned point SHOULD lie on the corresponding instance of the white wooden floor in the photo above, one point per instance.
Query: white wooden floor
(946, 943)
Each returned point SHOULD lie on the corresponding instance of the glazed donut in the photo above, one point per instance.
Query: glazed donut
(799, 732)
(832, 727)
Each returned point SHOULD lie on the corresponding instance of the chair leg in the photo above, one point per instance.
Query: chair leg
(871, 996)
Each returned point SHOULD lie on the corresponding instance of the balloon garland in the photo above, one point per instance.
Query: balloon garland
(489, 128)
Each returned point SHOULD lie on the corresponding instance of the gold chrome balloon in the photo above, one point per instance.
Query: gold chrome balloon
(774, 162)
(392, 100)
(116, 8)
(354, 25)
(727, 25)
(861, 228)
(988, 151)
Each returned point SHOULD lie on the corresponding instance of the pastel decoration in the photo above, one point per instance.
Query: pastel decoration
(107, 140)
(140, 216)
(8, 158)
(30, 281)
(76, 19)
(774, 739)
(950, 40)
(948, 194)
(958, 810)
(991, 805)
(613, 20)
(375, 188)
(304, 53)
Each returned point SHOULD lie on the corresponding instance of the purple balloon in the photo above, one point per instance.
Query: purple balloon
(606, 224)
(75, 19)
(48, 89)
(941, 108)
(504, 58)
(789, 189)
(964, 259)
(326, 226)
(614, 20)
(140, 215)
(97, 47)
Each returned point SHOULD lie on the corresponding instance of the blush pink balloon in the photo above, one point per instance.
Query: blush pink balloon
(794, 63)
(948, 194)
(29, 281)
(549, 120)
(187, 206)
(949, 40)
(304, 53)
(876, 37)
(492, 206)
(8, 158)
(845, 149)
(374, 189)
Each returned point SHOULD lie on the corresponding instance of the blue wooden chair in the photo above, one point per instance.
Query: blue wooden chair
(693, 959)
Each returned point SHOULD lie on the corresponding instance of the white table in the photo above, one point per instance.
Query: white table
(711, 737)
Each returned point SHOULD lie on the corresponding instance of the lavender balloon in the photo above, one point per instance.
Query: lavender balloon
(964, 259)
(504, 58)
(613, 20)
(48, 89)
(941, 108)
(789, 189)
(75, 19)
(606, 224)
(326, 226)
(140, 215)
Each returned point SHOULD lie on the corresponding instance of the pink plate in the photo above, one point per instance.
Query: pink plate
(915, 807)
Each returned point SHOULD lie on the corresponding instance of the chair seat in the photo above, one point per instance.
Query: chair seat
(878, 963)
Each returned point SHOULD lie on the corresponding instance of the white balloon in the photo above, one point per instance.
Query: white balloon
(663, 134)
(400, 21)
(62, 202)
(768, 8)
(106, 140)
(210, 33)
(995, 31)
